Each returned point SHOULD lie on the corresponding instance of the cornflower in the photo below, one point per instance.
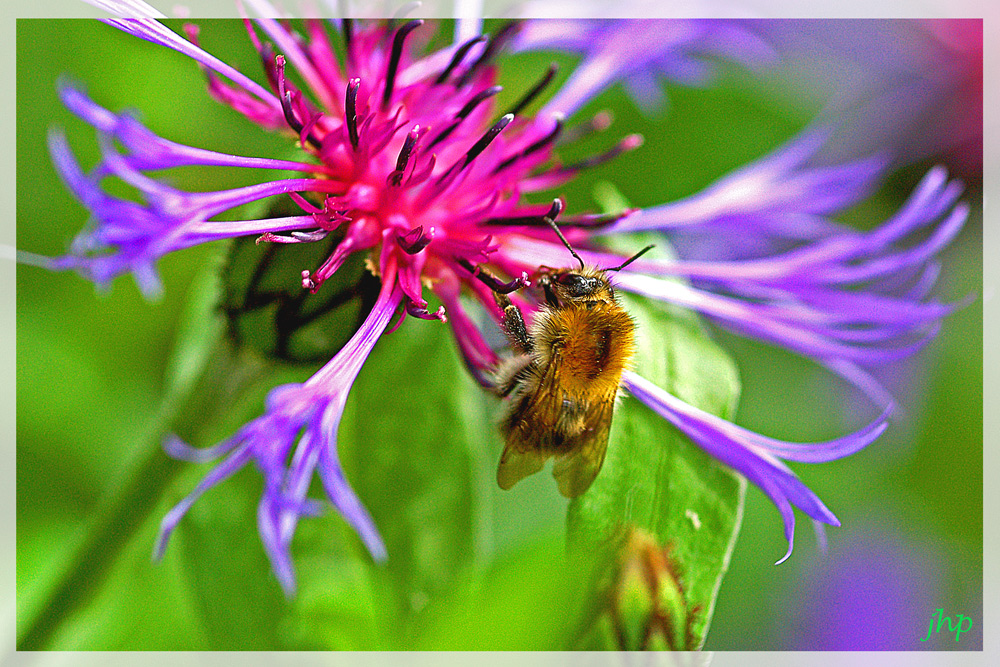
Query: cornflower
(407, 158)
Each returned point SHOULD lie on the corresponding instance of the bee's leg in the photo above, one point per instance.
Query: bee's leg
(513, 323)
(512, 374)
(545, 282)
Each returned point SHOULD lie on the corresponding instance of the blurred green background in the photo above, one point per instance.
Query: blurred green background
(91, 379)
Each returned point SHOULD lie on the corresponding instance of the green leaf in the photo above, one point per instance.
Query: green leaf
(656, 482)
(218, 557)
(199, 329)
(518, 603)
(344, 602)
(412, 446)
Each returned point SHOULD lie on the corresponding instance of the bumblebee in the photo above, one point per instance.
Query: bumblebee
(564, 379)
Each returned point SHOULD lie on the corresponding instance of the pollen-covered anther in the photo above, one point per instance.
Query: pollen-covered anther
(415, 240)
(307, 281)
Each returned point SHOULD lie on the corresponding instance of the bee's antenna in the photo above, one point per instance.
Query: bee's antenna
(632, 258)
(550, 219)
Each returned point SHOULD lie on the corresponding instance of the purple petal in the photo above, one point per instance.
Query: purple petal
(634, 51)
(777, 184)
(127, 8)
(147, 151)
(223, 471)
(305, 416)
(754, 455)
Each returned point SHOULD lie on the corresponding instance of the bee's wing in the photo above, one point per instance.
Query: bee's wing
(576, 470)
(532, 418)
(516, 464)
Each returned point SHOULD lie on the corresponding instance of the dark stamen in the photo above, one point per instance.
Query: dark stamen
(456, 59)
(585, 221)
(632, 258)
(491, 280)
(414, 240)
(448, 176)
(477, 100)
(630, 142)
(534, 92)
(537, 146)
(347, 30)
(464, 113)
(527, 220)
(487, 139)
(595, 220)
(394, 56)
(294, 123)
(601, 121)
(351, 111)
(286, 104)
(547, 139)
(267, 60)
(396, 177)
(495, 44)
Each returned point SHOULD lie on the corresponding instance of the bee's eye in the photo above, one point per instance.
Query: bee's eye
(569, 279)
(577, 285)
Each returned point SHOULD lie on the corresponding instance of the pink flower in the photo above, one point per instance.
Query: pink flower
(406, 157)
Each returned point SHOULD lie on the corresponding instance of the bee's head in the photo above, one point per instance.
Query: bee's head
(565, 285)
